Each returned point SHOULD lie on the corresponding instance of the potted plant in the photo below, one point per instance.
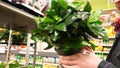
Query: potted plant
(2, 64)
(4, 35)
(12, 64)
(17, 37)
(69, 26)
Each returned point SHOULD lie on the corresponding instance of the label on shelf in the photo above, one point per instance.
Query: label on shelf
(24, 52)
(2, 49)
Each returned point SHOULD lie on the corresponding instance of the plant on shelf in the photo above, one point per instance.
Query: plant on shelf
(2, 64)
(69, 26)
(17, 37)
(12, 64)
(4, 34)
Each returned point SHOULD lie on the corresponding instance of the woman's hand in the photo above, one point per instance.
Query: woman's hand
(85, 59)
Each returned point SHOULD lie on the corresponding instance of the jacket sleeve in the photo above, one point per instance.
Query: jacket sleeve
(105, 64)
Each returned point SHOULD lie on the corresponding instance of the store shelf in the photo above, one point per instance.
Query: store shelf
(104, 45)
(26, 7)
(44, 63)
(15, 18)
(102, 52)
(110, 10)
(2, 57)
(48, 54)
(40, 53)
(18, 19)
(31, 8)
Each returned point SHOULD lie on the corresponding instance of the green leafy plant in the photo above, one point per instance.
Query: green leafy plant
(2, 65)
(69, 26)
(14, 64)
(4, 34)
(17, 37)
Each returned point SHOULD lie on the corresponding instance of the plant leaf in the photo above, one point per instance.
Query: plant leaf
(37, 20)
(94, 16)
(54, 3)
(88, 7)
(70, 19)
(61, 27)
(51, 12)
(63, 4)
(97, 28)
(69, 11)
(76, 5)
(48, 20)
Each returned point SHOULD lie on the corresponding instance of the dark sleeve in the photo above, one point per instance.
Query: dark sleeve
(105, 64)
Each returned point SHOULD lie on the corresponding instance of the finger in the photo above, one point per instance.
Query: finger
(66, 66)
(84, 52)
(88, 48)
(69, 63)
(72, 57)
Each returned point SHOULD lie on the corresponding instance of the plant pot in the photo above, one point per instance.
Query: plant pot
(60, 51)
(68, 46)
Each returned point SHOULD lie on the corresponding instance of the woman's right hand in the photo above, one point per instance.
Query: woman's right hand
(85, 59)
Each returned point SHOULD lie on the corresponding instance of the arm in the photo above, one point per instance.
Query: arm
(105, 64)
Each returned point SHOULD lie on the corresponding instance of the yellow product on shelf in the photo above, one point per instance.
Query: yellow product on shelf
(94, 41)
(24, 60)
(99, 48)
(106, 49)
(110, 31)
(50, 65)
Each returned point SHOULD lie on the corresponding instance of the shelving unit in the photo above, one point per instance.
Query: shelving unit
(14, 18)
(40, 53)
(103, 47)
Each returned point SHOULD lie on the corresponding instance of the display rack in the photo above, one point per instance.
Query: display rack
(103, 47)
(14, 18)
(44, 54)
(25, 7)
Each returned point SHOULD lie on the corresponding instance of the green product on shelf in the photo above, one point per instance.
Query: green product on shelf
(37, 66)
(102, 55)
(40, 66)
(105, 41)
(39, 59)
(30, 66)
(30, 58)
(2, 65)
(14, 64)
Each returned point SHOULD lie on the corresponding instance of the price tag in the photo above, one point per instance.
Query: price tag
(2, 49)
